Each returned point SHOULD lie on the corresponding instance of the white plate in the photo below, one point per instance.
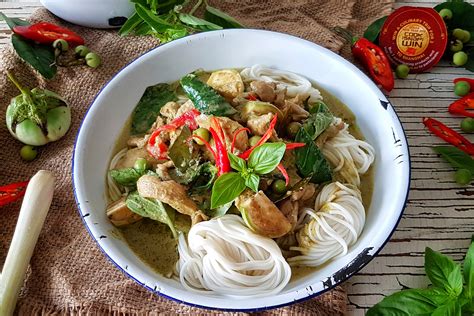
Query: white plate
(235, 49)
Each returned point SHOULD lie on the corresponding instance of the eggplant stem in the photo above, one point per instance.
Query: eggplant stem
(17, 84)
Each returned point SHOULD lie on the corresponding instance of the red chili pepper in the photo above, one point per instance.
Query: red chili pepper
(251, 97)
(237, 132)
(468, 80)
(463, 106)
(222, 161)
(46, 33)
(447, 134)
(291, 146)
(284, 173)
(159, 150)
(208, 146)
(372, 58)
(12, 192)
(262, 140)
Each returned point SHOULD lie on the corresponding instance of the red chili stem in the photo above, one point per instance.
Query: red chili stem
(222, 161)
(12, 192)
(449, 135)
(262, 140)
(291, 146)
(237, 132)
(284, 173)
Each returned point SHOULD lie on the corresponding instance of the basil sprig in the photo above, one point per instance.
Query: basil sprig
(263, 159)
(447, 296)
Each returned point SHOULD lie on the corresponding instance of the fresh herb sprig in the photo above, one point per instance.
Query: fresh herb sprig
(263, 160)
(446, 296)
(167, 20)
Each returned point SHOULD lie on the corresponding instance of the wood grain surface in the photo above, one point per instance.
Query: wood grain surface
(439, 213)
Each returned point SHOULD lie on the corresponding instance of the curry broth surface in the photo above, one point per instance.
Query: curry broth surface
(153, 242)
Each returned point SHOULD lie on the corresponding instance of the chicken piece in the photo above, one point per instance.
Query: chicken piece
(329, 133)
(227, 82)
(171, 193)
(304, 193)
(260, 124)
(290, 209)
(137, 141)
(280, 98)
(296, 112)
(229, 127)
(162, 170)
(169, 110)
(299, 99)
(120, 215)
(261, 214)
(128, 161)
(264, 90)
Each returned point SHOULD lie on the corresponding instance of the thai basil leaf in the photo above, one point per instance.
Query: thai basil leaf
(407, 303)
(148, 108)
(456, 157)
(310, 161)
(220, 18)
(237, 163)
(127, 177)
(12, 22)
(452, 308)
(443, 272)
(252, 181)
(226, 188)
(155, 22)
(468, 270)
(205, 99)
(318, 122)
(40, 57)
(198, 23)
(131, 24)
(373, 31)
(265, 158)
(152, 209)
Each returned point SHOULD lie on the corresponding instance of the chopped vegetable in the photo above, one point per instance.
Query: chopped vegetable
(257, 108)
(318, 121)
(262, 140)
(127, 177)
(462, 88)
(467, 125)
(12, 192)
(155, 210)
(203, 134)
(37, 117)
(463, 176)
(234, 138)
(463, 106)
(28, 153)
(402, 71)
(204, 98)
(47, 33)
(222, 161)
(447, 134)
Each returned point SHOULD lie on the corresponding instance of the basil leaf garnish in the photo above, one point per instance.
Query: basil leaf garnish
(252, 181)
(265, 158)
(443, 272)
(226, 188)
(237, 163)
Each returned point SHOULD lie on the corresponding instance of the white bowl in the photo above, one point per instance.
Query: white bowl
(235, 49)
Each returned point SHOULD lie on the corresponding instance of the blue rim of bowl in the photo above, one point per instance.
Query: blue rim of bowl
(248, 310)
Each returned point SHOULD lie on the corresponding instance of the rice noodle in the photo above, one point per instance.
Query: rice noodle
(294, 84)
(350, 157)
(224, 256)
(329, 231)
(115, 192)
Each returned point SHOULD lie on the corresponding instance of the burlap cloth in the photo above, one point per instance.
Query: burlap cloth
(68, 274)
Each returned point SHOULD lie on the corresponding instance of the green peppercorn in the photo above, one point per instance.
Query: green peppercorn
(467, 125)
(254, 140)
(460, 58)
(462, 35)
(456, 46)
(28, 153)
(279, 186)
(203, 133)
(463, 176)
(61, 44)
(402, 71)
(446, 14)
(141, 164)
(81, 51)
(462, 88)
(293, 128)
(93, 60)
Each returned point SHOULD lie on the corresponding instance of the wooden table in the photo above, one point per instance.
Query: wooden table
(439, 213)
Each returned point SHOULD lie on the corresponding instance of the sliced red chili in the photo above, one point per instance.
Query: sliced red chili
(46, 33)
(291, 146)
(468, 80)
(159, 149)
(206, 143)
(222, 161)
(262, 140)
(12, 192)
(251, 97)
(375, 62)
(463, 106)
(236, 133)
(284, 173)
(449, 135)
